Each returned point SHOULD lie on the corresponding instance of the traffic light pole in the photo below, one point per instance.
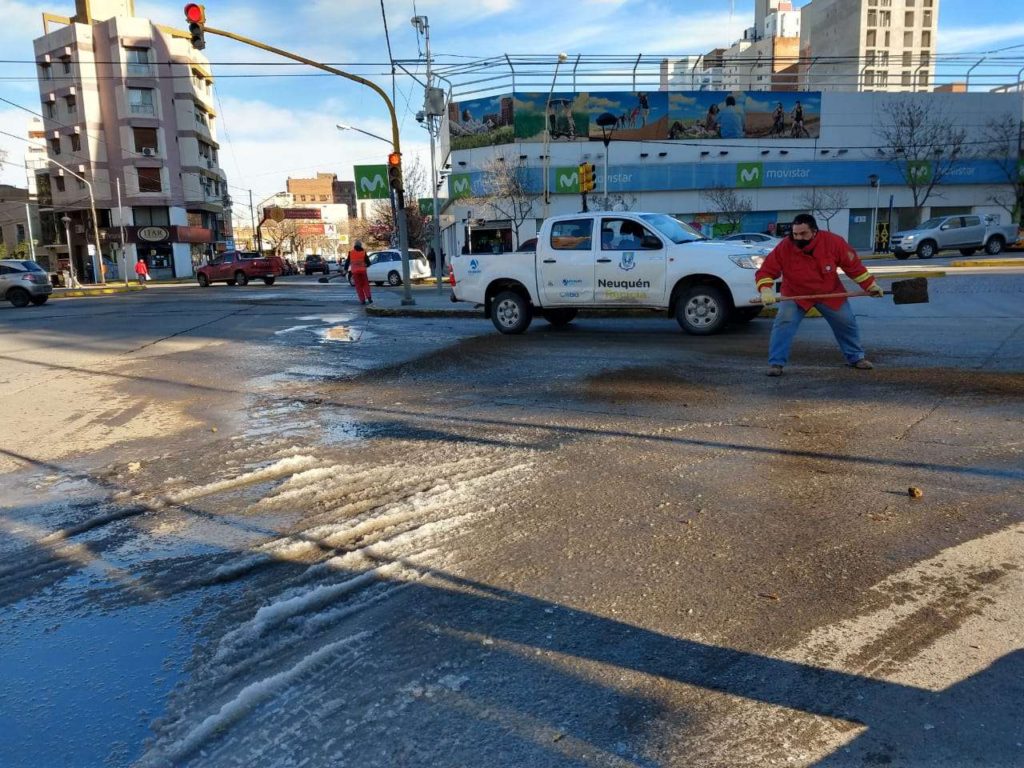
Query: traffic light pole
(403, 232)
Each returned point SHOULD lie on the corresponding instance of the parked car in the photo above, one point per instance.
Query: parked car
(23, 282)
(314, 264)
(967, 234)
(614, 260)
(386, 267)
(239, 267)
(754, 238)
(289, 267)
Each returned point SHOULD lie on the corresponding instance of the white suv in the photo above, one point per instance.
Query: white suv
(386, 267)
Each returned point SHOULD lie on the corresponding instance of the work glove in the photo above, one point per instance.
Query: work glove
(876, 291)
(767, 296)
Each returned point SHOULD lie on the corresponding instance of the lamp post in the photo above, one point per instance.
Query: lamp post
(606, 122)
(98, 264)
(562, 58)
(67, 238)
(876, 183)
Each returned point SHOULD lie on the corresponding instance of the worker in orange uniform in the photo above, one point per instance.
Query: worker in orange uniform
(357, 268)
(809, 262)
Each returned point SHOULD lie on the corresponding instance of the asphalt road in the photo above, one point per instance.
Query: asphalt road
(252, 526)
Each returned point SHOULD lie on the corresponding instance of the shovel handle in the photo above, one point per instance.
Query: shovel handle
(849, 295)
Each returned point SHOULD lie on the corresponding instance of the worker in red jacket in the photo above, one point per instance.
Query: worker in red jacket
(357, 268)
(809, 262)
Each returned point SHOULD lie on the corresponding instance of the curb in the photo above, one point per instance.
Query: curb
(74, 293)
(904, 275)
(1014, 262)
(478, 314)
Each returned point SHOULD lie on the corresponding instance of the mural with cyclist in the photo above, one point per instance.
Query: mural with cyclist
(635, 116)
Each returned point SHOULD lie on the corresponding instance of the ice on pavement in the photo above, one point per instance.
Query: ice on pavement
(278, 469)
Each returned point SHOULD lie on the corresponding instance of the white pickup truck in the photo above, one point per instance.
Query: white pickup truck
(612, 260)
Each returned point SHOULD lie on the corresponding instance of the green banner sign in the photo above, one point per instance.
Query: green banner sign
(919, 171)
(749, 175)
(460, 186)
(427, 205)
(567, 180)
(372, 182)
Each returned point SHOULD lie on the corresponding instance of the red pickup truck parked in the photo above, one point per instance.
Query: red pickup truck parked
(238, 268)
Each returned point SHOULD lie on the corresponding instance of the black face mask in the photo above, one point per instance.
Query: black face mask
(799, 243)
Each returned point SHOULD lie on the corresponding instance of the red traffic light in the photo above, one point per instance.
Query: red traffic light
(195, 13)
(394, 159)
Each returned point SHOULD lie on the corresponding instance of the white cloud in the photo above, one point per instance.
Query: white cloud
(980, 38)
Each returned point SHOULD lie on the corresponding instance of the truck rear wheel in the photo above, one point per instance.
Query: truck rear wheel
(559, 317)
(702, 310)
(994, 246)
(269, 280)
(511, 312)
(241, 278)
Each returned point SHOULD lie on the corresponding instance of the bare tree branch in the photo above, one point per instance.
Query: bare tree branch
(825, 204)
(728, 205)
(1003, 144)
(506, 193)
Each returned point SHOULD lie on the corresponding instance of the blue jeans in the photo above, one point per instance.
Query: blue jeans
(842, 322)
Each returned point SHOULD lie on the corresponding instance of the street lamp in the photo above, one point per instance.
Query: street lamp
(562, 58)
(606, 122)
(67, 238)
(98, 263)
(876, 183)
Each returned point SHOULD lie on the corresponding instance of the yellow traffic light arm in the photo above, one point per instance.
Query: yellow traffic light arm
(302, 59)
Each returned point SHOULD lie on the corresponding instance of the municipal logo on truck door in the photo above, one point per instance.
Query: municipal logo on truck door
(749, 175)
(628, 261)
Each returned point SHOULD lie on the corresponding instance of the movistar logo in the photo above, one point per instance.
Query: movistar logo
(460, 185)
(919, 171)
(567, 180)
(368, 184)
(749, 174)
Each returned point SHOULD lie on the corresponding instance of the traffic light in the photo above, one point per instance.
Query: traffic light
(586, 171)
(195, 15)
(395, 171)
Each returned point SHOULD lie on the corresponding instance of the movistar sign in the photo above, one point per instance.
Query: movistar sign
(749, 175)
(919, 171)
(460, 186)
(371, 182)
(567, 180)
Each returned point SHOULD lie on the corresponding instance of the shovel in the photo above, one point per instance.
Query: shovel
(913, 291)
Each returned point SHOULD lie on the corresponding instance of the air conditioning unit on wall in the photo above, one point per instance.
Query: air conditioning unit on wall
(148, 151)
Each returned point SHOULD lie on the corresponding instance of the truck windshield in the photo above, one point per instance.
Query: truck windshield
(673, 228)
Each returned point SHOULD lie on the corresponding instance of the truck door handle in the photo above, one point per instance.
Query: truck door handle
(550, 261)
(604, 261)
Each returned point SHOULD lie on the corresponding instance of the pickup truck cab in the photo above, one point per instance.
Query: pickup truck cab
(238, 268)
(966, 233)
(613, 260)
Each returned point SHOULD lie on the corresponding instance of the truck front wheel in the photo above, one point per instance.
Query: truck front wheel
(511, 312)
(559, 317)
(702, 310)
(241, 278)
(926, 249)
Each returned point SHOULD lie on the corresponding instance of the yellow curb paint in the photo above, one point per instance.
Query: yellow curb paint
(988, 263)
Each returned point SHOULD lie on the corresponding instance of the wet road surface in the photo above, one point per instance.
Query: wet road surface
(255, 527)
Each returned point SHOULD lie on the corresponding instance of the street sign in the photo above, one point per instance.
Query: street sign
(371, 182)
(276, 213)
(229, 244)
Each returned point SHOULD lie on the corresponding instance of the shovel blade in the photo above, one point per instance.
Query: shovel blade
(913, 291)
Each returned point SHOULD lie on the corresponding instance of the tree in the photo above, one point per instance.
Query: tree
(923, 144)
(382, 227)
(825, 204)
(506, 192)
(1002, 143)
(729, 206)
(281, 236)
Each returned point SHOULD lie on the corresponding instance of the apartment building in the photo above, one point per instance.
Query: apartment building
(868, 45)
(765, 59)
(323, 188)
(128, 106)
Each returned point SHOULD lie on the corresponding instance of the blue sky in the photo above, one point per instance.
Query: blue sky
(273, 127)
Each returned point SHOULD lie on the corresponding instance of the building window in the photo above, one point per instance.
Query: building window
(45, 72)
(72, 103)
(145, 139)
(81, 183)
(887, 39)
(140, 101)
(908, 19)
(51, 108)
(869, 78)
(926, 39)
(20, 233)
(908, 57)
(883, 58)
(871, 38)
(926, 19)
(58, 182)
(149, 179)
(76, 142)
(905, 79)
(922, 79)
(908, 39)
(927, 3)
(66, 62)
(201, 116)
(54, 146)
(910, 3)
(883, 79)
(137, 60)
(926, 58)
(872, 18)
(885, 19)
(323, 198)
(870, 58)
(146, 216)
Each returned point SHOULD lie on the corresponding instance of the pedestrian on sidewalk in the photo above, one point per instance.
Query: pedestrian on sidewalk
(357, 268)
(808, 261)
(141, 271)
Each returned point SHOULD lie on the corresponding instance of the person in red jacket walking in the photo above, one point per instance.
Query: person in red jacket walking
(141, 271)
(357, 268)
(809, 262)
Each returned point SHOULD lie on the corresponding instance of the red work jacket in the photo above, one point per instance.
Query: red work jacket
(356, 261)
(814, 269)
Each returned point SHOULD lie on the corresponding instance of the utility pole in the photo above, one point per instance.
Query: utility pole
(431, 113)
(31, 241)
(120, 223)
(257, 239)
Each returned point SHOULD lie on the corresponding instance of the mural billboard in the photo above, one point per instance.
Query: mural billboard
(480, 122)
(635, 116)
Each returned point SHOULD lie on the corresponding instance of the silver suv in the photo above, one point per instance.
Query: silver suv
(23, 281)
